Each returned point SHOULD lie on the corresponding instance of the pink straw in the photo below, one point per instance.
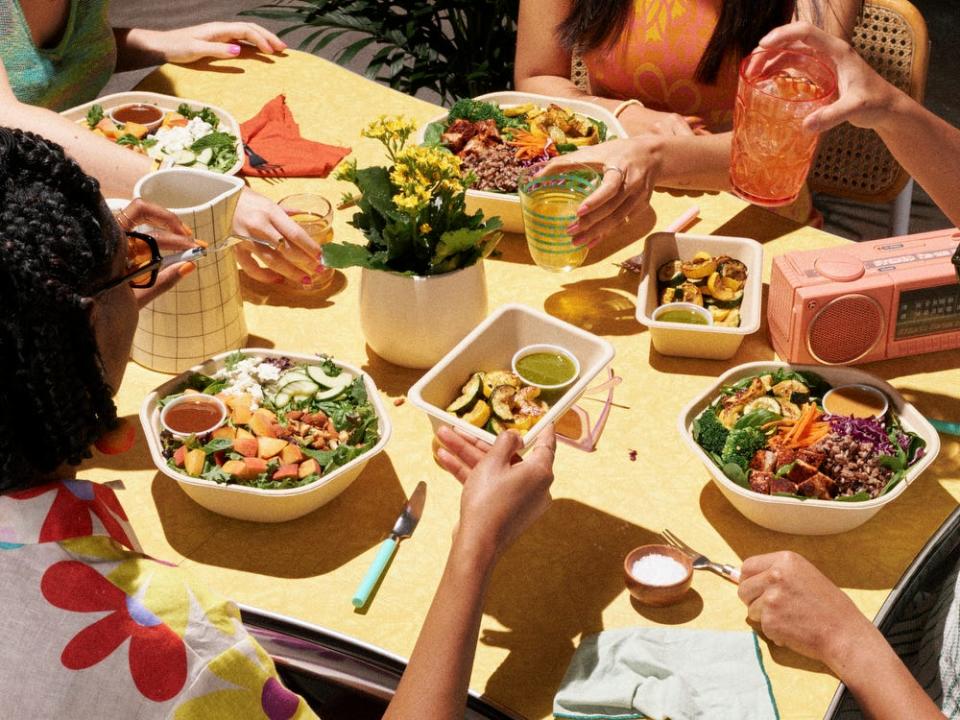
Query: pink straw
(684, 220)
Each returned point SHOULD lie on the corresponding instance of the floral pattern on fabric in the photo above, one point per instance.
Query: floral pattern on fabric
(157, 656)
(655, 57)
(256, 692)
(74, 506)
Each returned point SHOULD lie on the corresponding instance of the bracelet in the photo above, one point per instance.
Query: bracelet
(624, 105)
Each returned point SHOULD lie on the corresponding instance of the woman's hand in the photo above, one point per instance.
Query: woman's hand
(171, 235)
(297, 257)
(798, 607)
(865, 99)
(215, 40)
(502, 495)
(630, 168)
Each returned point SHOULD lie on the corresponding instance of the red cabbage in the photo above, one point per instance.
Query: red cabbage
(864, 430)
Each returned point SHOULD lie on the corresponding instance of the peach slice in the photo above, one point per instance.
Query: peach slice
(308, 467)
(291, 454)
(193, 463)
(285, 471)
(246, 446)
(270, 446)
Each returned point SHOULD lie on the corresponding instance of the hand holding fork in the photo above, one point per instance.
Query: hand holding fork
(701, 561)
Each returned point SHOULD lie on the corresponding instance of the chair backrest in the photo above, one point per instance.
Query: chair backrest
(852, 162)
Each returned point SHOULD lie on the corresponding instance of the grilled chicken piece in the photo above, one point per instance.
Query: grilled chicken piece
(760, 481)
(782, 485)
(801, 471)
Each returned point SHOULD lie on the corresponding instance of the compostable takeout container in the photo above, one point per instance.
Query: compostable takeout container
(507, 205)
(167, 103)
(491, 346)
(250, 503)
(809, 517)
(711, 342)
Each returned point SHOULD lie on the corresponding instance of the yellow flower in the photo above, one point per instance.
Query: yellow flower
(425, 228)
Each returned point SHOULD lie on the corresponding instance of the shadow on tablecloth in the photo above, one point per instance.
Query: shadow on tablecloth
(334, 534)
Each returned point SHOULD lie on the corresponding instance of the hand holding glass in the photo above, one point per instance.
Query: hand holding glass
(771, 152)
(549, 204)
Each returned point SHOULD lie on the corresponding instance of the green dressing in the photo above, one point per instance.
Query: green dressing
(546, 368)
(682, 316)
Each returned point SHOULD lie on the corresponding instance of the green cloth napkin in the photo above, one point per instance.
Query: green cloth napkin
(661, 673)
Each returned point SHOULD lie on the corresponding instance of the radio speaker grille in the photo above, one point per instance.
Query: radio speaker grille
(845, 330)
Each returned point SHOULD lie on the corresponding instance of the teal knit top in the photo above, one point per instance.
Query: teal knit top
(69, 74)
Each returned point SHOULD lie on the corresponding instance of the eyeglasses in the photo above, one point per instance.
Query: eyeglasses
(574, 428)
(143, 262)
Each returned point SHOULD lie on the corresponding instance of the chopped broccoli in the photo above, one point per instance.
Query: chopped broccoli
(741, 445)
(711, 434)
(476, 110)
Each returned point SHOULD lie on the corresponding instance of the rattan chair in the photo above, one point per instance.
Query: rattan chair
(852, 162)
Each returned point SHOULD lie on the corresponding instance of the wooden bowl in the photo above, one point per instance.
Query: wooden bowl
(657, 595)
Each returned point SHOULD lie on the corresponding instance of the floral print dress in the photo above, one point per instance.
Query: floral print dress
(93, 628)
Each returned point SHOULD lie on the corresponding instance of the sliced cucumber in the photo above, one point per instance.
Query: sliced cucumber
(281, 399)
(300, 388)
(185, 158)
(330, 392)
(316, 373)
(468, 395)
(670, 273)
(205, 156)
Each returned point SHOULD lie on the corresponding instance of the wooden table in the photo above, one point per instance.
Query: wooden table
(564, 577)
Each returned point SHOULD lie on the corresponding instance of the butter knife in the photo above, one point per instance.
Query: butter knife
(403, 528)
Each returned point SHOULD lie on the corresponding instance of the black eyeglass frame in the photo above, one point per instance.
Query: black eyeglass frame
(152, 267)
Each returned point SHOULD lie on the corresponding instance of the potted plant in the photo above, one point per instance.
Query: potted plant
(422, 284)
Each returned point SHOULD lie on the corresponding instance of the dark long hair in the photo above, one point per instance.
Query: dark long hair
(53, 399)
(593, 24)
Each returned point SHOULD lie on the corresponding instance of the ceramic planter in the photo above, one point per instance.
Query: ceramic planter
(414, 321)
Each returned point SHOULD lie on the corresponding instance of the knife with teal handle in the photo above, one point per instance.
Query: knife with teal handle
(403, 528)
(948, 428)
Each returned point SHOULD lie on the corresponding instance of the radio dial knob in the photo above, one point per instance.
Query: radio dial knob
(839, 267)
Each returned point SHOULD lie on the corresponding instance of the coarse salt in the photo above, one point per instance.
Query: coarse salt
(658, 570)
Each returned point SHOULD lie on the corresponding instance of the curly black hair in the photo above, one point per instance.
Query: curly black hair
(54, 401)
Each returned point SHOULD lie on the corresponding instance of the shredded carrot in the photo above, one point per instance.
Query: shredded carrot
(803, 431)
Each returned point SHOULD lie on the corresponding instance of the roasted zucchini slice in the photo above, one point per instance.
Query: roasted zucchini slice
(702, 265)
(498, 377)
(468, 395)
(732, 270)
(670, 273)
(502, 401)
(686, 292)
(479, 415)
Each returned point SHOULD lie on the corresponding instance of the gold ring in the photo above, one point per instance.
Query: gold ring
(608, 168)
(126, 218)
(626, 219)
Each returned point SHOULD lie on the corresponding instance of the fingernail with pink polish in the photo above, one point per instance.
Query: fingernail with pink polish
(583, 210)
(233, 49)
(306, 280)
(319, 268)
(573, 228)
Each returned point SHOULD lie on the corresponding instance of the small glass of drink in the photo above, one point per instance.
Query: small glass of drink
(549, 204)
(771, 152)
(314, 214)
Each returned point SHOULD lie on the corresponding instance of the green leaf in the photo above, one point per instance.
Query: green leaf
(217, 444)
(785, 470)
(455, 241)
(757, 418)
(856, 497)
(94, 115)
(345, 255)
(736, 473)
(432, 134)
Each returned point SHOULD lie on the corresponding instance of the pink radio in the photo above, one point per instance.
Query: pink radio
(866, 301)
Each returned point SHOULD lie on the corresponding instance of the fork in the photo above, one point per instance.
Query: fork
(259, 162)
(701, 561)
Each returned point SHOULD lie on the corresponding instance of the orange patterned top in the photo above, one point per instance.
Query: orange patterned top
(656, 56)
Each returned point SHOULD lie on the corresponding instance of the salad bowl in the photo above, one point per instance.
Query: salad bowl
(166, 103)
(248, 502)
(507, 205)
(809, 516)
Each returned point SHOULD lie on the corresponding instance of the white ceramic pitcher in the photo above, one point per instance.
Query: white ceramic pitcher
(203, 314)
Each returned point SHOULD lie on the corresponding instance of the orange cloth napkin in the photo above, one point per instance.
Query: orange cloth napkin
(274, 135)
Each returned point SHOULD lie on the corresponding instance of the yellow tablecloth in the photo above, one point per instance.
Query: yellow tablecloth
(564, 578)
